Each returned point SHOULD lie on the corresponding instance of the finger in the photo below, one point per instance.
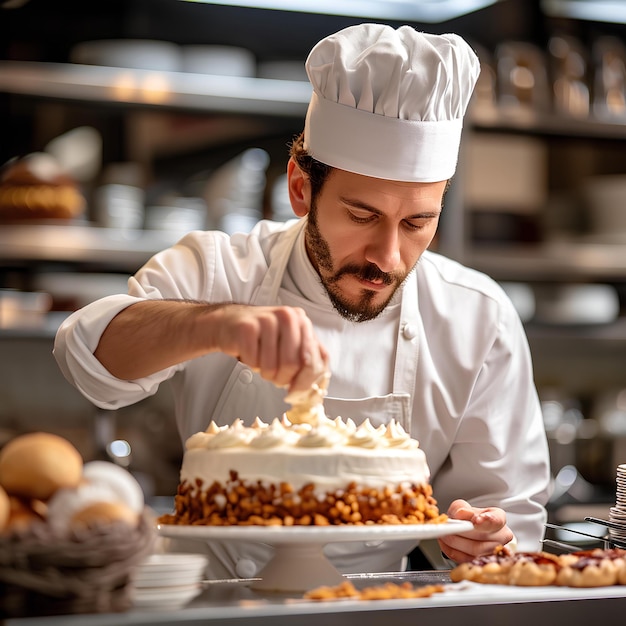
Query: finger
(489, 520)
(242, 340)
(460, 509)
(309, 375)
(325, 358)
(309, 346)
(313, 358)
(486, 520)
(268, 346)
(293, 329)
(461, 548)
(461, 552)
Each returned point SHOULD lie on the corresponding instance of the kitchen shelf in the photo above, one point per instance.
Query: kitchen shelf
(245, 95)
(82, 244)
(205, 93)
(148, 88)
(528, 121)
(606, 336)
(566, 260)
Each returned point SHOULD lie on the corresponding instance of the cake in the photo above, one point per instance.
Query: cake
(36, 187)
(327, 472)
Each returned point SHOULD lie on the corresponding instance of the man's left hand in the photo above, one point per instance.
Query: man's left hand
(490, 530)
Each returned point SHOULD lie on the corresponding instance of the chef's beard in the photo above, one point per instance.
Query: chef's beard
(361, 309)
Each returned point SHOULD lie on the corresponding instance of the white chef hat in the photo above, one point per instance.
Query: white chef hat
(389, 103)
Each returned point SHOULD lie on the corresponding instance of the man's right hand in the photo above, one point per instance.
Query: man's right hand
(151, 335)
(278, 342)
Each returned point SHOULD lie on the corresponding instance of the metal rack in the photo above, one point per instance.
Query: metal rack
(604, 541)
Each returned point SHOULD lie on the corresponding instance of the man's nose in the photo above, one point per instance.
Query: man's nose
(384, 249)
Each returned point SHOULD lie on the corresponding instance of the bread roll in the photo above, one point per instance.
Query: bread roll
(37, 464)
(99, 513)
(65, 503)
(21, 515)
(5, 507)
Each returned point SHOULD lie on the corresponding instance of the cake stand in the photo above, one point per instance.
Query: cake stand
(299, 563)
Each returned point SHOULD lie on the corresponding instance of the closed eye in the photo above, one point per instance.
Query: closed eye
(417, 223)
(362, 216)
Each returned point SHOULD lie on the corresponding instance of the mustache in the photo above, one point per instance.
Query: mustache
(368, 272)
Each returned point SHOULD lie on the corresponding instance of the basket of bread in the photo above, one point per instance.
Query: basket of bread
(71, 533)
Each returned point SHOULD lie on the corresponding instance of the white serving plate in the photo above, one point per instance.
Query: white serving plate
(299, 562)
(281, 535)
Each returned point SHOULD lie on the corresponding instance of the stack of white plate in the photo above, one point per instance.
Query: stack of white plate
(168, 581)
(617, 513)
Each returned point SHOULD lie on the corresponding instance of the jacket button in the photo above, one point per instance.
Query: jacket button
(245, 568)
(409, 331)
(246, 376)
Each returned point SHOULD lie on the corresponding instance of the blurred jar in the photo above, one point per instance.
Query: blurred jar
(119, 206)
(119, 200)
(234, 194)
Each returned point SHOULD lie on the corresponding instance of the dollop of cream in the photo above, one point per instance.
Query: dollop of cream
(236, 435)
(273, 435)
(397, 437)
(258, 424)
(198, 440)
(213, 428)
(306, 404)
(365, 436)
(321, 437)
(347, 428)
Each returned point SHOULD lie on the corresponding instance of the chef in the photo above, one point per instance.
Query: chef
(233, 323)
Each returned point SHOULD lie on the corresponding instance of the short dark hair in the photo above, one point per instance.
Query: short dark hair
(316, 171)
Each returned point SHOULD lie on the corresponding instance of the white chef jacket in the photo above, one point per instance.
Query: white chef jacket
(448, 358)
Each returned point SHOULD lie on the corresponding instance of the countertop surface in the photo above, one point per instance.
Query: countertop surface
(237, 602)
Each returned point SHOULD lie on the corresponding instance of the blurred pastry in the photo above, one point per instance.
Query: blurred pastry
(21, 515)
(36, 465)
(4, 508)
(106, 491)
(100, 513)
(36, 187)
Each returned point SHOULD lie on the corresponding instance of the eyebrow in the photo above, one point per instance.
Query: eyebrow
(359, 204)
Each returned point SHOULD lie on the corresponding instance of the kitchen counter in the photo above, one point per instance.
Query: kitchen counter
(235, 602)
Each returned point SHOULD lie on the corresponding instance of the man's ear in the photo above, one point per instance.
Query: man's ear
(299, 189)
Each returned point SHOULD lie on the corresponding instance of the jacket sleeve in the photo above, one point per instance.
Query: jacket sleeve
(499, 456)
(206, 266)
(74, 345)
(180, 272)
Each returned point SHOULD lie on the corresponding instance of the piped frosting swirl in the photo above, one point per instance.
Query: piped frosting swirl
(323, 433)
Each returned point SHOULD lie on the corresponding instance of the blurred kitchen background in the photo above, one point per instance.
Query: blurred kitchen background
(172, 115)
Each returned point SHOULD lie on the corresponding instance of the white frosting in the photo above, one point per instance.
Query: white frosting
(329, 453)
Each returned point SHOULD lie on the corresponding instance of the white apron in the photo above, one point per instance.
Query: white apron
(246, 391)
